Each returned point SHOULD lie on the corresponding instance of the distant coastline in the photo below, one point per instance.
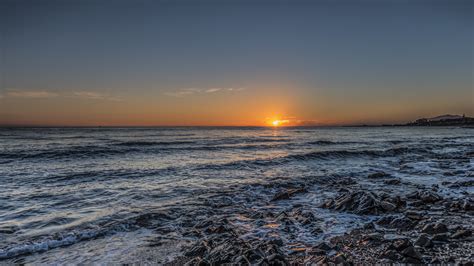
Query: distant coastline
(438, 121)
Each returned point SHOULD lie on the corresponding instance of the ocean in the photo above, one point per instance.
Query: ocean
(134, 195)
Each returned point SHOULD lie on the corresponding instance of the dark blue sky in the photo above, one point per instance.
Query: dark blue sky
(322, 61)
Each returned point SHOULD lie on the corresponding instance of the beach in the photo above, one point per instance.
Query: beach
(239, 195)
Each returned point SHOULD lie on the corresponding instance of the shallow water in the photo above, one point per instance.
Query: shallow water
(96, 195)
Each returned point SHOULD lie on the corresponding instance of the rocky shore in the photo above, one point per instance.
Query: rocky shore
(419, 227)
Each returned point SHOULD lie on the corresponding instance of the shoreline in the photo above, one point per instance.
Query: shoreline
(421, 228)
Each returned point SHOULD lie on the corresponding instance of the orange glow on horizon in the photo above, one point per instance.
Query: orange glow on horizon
(278, 122)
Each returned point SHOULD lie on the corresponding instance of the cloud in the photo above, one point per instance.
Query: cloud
(193, 91)
(213, 90)
(95, 96)
(38, 94)
(31, 94)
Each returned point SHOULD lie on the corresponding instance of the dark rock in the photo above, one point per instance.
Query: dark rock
(276, 241)
(414, 215)
(440, 237)
(461, 205)
(149, 219)
(425, 196)
(241, 260)
(324, 246)
(276, 259)
(401, 244)
(373, 237)
(395, 222)
(378, 175)
(197, 262)
(423, 241)
(462, 233)
(198, 249)
(458, 184)
(286, 194)
(340, 259)
(453, 245)
(392, 181)
(411, 252)
(434, 228)
(317, 252)
(316, 231)
(388, 206)
(385, 220)
(369, 225)
(361, 202)
(391, 255)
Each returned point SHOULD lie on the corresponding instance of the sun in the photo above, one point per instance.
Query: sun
(276, 123)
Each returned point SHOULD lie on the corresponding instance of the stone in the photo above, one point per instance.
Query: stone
(317, 252)
(436, 228)
(324, 246)
(423, 241)
(461, 233)
(340, 259)
(286, 194)
(276, 259)
(378, 175)
(391, 255)
(373, 237)
(388, 206)
(440, 237)
(425, 196)
(392, 181)
(401, 244)
(411, 252)
(360, 202)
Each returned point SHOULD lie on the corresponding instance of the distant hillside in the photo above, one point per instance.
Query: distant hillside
(444, 120)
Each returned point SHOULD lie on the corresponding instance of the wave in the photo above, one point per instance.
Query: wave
(330, 142)
(72, 152)
(46, 244)
(152, 143)
(95, 151)
(150, 219)
(316, 155)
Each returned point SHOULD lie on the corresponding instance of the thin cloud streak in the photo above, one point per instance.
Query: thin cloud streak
(95, 96)
(31, 94)
(44, 94)
(194, 91)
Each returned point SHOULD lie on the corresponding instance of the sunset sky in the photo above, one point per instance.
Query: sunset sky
(229, 62)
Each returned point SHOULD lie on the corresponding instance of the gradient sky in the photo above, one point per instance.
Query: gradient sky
(229, 62)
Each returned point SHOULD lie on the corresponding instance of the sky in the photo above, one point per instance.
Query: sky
(233, 63)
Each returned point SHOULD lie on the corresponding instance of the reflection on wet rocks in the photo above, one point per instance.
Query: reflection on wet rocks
(243, 196)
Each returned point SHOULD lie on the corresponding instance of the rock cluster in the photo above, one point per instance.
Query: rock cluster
(363, 202)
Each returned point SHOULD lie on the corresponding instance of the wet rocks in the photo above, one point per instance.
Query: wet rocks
(425, 196)
(402, 250)
(392, 181)
(460, 205)
(388, 206)
(378, 175)
(396, 222)
(459, 184)
(287, 193)
(360, 202)
(423, 241)
(434, 228)
(440, 237)
(461, 233)
(411, 254)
